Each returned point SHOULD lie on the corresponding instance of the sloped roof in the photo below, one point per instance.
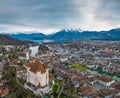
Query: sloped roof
(36, 66)
(5, 90)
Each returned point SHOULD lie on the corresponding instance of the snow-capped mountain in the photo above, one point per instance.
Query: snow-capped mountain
(70, 30)
(113, 34)
(68, 33)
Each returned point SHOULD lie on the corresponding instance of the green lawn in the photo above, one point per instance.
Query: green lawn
(81, 67)
(55, 88)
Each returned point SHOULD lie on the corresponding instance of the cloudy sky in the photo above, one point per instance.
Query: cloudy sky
(48, 16)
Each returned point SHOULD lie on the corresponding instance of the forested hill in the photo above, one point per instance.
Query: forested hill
(6, 40)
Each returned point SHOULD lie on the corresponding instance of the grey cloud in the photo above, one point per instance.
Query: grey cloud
(43, 11)
(108, 11)
(57, 13)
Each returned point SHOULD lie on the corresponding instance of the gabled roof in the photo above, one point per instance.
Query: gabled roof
(105, 79)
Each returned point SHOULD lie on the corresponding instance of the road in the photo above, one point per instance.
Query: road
(61, 90)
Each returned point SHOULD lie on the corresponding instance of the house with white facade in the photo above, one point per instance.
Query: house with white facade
(106, 81)
(25, 55)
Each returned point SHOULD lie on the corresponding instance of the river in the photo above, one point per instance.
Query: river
(34, 50)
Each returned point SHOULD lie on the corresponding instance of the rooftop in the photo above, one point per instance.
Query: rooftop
(37, 66)
(105, 79)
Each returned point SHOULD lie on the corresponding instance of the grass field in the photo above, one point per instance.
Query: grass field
(55, 88)
(79, 67)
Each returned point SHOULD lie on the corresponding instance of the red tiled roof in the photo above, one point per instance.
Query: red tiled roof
(87, 89)
(106, 91)
(22, 54)
(105, 79)
(37, 66)
(4, 91)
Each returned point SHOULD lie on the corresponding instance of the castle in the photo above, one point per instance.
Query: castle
(37, 73)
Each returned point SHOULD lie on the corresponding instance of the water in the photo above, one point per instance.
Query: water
(34, 50)
(49, 40)
(42, 41)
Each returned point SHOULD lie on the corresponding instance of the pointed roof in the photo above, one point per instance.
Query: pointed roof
(36, 66)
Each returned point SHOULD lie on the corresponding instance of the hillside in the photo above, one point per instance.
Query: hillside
(28, 36)
(4, 39)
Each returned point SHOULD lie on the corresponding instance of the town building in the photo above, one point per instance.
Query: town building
(24, 55)
(37, 73)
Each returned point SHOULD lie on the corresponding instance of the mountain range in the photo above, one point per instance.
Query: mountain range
(66, 34)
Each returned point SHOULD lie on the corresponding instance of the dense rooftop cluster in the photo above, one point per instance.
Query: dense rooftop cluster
(93, 64)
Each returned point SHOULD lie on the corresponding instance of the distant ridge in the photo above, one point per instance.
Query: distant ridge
(27, 36)
(77, 34)
(6, 40)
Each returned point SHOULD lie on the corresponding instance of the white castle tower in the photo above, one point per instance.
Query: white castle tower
(37, 73)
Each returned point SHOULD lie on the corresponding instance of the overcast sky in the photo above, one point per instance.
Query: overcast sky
(48, 16)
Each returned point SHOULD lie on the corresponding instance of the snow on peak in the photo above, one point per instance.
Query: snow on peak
(69, 29)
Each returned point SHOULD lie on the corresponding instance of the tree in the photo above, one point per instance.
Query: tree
(21, 63)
